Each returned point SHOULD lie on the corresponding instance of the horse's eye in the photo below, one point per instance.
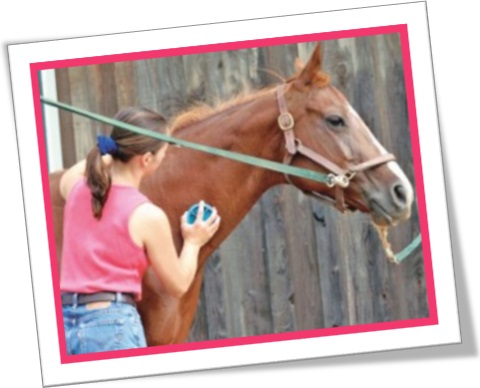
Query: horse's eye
(335, 121)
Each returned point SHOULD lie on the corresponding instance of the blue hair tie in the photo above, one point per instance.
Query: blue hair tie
(106, 145)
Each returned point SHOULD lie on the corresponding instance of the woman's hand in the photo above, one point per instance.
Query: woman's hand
(200, 232)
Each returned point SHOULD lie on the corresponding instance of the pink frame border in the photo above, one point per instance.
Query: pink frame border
(402, 29)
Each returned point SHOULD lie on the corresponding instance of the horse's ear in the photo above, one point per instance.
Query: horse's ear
(312, 67)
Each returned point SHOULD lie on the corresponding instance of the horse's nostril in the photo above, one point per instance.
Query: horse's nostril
(400, 194)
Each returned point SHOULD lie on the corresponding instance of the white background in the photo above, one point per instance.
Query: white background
(453, 46)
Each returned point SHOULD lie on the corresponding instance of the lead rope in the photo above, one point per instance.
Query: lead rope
(247, 159)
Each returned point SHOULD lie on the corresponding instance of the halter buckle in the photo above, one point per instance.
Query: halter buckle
(285, 121)
(339, 180)
(349, 175)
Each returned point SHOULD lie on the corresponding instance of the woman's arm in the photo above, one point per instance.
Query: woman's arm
(175, 272)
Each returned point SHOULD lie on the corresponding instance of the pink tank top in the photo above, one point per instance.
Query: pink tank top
(100, 255)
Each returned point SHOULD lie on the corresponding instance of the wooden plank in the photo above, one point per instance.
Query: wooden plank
(379, 268)
(233, 258)
(67, 134)
(144, 78)
(281, 292)
(84, 129)
(214, 300)
(329, 270)
(342, 235)
(301, 254)
(107, 90)
(256, 301)
(126, 88)
(276, 63)
(246, 284)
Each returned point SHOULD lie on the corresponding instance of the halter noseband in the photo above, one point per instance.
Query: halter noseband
(338, 177)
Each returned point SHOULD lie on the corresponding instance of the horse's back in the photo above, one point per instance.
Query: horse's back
(58, 204)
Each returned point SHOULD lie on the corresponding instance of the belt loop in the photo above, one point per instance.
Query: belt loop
(75, 299)
(118, 297)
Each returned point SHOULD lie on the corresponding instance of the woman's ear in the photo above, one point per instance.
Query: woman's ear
(146, 159)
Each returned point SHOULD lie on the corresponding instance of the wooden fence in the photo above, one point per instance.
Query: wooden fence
(293, 263)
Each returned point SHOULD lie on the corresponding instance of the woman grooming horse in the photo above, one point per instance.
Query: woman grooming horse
(112, 233)
(327, 135)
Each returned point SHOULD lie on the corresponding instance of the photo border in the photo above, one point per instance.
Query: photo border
(439, 262)
(402, 30)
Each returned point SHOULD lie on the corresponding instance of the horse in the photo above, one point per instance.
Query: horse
(304, 122)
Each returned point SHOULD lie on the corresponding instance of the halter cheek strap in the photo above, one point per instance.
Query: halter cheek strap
(338, 177)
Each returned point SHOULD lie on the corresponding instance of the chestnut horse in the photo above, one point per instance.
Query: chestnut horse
(317, 129)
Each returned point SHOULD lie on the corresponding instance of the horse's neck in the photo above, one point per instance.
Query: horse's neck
(187, 176)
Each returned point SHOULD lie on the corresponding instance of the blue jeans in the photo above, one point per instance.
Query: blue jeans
(96, 330)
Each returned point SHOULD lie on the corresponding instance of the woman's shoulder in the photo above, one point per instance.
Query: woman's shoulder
(69, 183)
(148, 212)
(147, 220)
(71, 177)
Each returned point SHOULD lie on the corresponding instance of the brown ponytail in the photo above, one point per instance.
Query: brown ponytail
(128, 144)
(99, 181)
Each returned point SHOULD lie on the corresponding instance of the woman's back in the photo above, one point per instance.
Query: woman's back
(99, 254)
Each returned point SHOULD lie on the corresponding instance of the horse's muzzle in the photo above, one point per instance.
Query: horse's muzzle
(392, 205)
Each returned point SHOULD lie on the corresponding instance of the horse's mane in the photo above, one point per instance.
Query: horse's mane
(200, 110)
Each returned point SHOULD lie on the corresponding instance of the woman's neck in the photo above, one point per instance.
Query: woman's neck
(126, 174)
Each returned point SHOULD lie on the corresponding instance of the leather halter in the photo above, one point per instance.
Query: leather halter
(338, 176)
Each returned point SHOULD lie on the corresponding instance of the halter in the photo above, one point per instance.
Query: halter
(338, 177)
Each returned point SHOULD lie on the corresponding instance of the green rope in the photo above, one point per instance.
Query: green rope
(408, 249)
(251, 160)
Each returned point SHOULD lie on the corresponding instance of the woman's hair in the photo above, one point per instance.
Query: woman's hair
(126, 145)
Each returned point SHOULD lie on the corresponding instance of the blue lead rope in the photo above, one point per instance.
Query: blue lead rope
(251, 160)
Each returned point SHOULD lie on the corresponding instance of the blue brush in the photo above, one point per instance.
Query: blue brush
(192, 212)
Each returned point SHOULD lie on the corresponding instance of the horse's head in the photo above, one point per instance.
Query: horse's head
(325, 133)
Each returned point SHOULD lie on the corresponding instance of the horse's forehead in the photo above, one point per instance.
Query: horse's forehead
(329, 96)
(332, 100)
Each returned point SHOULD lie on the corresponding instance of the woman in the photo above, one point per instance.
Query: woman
(112, 232)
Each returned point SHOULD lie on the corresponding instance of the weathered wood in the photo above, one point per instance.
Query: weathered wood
(281, 289)
(81, 80)
(125, 84)
(214, 299)
(66, 119)
(301, 253)
(255, 277)
(329, 273)
(247, 306)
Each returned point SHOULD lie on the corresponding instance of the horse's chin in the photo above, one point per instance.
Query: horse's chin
(350, 204)
(380, 217)
(380, 221)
